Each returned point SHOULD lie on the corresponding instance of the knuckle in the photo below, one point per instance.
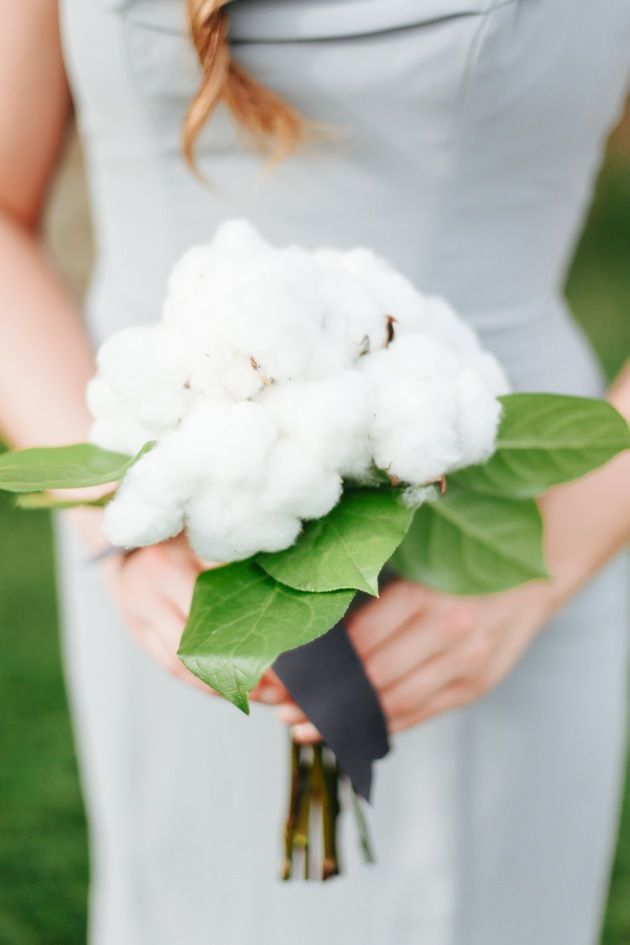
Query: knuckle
(478, 655)
(411, 592)
(458, 622)
(407, 594)
(399, 705)
(403, 707)
(176, 667)
(481, 683)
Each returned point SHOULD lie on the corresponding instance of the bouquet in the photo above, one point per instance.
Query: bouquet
(310, 419)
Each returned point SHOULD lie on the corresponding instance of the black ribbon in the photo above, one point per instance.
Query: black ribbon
(329, 683)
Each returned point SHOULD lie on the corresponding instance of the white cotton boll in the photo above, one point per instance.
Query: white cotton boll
(297, 484)
(241, 377)
(198, 298)
(160, 410)
(142, 358)
(415, 355)
(242, 449)
(149, 505)
(203, 279)
(229, 443)
(414, 434)
(478, 418)
(294, 273)
(278, 315)
(493, 374)
(329, 416)
(328, 259)
(291, 265)
(364, 262)
(444, 324)
(200, 432)
(187, 279)
(100, 399)
(228, 525)
(272, 330)
(121, 434)
(395, 294)
(164, 475)
(400, 299)
(240, 238)
(129, 522)
(152, 412)
(221, 371)
(354, 322)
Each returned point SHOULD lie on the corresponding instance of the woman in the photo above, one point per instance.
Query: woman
(466, 135)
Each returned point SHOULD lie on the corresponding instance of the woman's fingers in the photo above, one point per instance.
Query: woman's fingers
(178, 552)
(412, 691)
(402, 664)
(305, 733)
(439, 628)
(177, 587)
(154, 588)
(270, 690)
(156, 638)
(452, 696)
(432, 688)
(373, 623)
(173, 571)
(290, 713)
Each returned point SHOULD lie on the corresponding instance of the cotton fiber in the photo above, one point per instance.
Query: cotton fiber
(274, 378)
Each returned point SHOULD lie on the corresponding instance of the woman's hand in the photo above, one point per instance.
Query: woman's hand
(153, 588)
(427, 652)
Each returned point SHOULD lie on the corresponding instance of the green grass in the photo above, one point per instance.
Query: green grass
(43, 861)
(599, 283)
(599, 291)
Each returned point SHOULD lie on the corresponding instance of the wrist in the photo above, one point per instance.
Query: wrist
(575, 545)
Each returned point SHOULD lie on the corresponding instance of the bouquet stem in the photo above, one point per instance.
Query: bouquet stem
(314, 792)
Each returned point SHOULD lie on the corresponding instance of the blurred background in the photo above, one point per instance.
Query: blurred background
(43, 854)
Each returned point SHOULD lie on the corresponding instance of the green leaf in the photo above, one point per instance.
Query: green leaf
(346, 548)
(241, 619)
(60, 467)
(34, 501)
(467, 543)
(545, 439)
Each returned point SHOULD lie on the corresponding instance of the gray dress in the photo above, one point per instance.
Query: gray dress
(469, 135)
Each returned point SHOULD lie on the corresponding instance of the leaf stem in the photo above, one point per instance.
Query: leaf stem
(301, 835)
(362, 827)
(330, 815)
(289, 827)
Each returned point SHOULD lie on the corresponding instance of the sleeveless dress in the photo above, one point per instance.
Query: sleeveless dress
(468, 135)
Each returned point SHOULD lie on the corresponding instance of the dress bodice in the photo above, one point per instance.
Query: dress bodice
(465, 137)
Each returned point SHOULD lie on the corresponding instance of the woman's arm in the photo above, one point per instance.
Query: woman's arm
(45, 359)
(427, 652)
(45, 355)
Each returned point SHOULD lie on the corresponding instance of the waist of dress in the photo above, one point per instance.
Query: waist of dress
(512, 316)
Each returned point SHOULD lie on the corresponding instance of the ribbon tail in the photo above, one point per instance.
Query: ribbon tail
(329, 683)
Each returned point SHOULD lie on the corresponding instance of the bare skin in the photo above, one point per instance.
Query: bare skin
(46, 358)
(425, 652)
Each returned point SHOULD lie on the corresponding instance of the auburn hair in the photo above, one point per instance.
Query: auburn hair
(273, 125)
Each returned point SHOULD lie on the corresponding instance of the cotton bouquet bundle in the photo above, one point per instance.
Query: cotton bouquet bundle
(308, 417)
(276, 376)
